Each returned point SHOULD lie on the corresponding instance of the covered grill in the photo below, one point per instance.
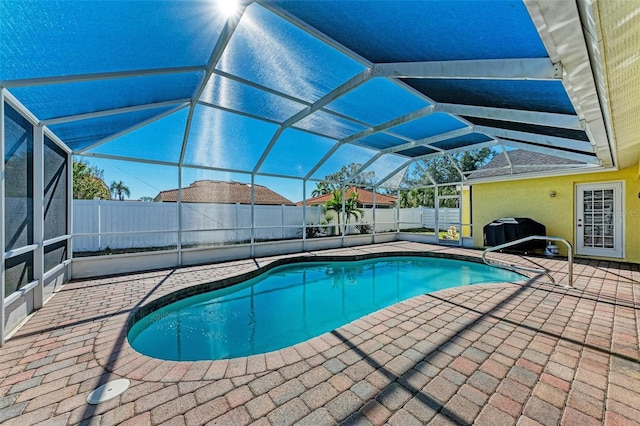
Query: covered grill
(509, 229)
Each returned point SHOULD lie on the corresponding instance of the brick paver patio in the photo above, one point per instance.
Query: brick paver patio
(498, 354)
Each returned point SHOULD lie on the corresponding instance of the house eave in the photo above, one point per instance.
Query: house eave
(588, 169)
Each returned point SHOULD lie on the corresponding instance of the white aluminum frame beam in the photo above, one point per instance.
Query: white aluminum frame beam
(589, 159)
(241, 113)
(506, 156)
(472, 147)
(423, 112)
(456, 166)
(17, 105)
(429, 141)
(115, 111)
(425, 171)
(364, 167)
(562, 121)
(407, 164)
(487, 69)
(38, 216)
(393, 173)
(552, 141)
(48, 133)
(78, 78)
(69, 207)
(260, 87)
(256, 117)
(131, 129)
(130, 159)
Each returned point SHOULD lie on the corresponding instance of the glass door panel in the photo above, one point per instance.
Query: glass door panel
(599, 221)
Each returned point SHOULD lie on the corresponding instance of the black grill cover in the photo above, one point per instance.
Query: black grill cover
(505, 230)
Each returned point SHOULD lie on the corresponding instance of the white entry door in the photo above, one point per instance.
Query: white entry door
(599, 219)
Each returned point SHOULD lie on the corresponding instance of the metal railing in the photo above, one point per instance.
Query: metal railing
(524, 268)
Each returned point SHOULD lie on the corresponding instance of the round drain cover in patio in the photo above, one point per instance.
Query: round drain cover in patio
(108, 390)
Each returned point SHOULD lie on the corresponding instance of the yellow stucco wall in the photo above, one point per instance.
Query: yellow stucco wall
(466, 211)
(530, 198)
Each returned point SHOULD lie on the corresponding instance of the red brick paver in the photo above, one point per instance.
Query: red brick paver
(507, 353)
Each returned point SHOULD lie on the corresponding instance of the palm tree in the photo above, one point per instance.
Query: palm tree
(350, 205)
(119, 190)
(321, 189)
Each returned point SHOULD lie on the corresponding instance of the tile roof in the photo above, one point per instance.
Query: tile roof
(522, 161)
(364, 198)
(221, 192)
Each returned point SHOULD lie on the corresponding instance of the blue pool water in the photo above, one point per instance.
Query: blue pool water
(290, 304)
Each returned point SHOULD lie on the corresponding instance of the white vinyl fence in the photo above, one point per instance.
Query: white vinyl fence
(446, 217)
(102, 225)
(425, 217)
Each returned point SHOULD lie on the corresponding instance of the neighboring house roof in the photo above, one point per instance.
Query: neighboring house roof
(365, 198)
(221, 192)
(522, 161)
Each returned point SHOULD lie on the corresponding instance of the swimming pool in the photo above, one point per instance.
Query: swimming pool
(293, 303)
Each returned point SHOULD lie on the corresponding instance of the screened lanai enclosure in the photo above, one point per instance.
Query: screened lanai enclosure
(401, 101)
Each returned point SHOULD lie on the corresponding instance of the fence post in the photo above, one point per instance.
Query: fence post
(238, 233)
(397, 212)
(38, 215)
(304, 215)
(283, 221)
(253, 215)
(96, 219)
(373, 216)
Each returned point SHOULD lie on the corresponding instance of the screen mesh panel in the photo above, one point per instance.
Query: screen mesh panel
(227, 93)
(343, 156)
(226, 140)
(380, 141)
(578, 135)
(127, 35)
(430, 125)
(160, 140)
(272, 52)
(462, 141)
(18, 163)
(329, 125)
(546, 96)
(54, 254)
(377, 101)
(303, 148)
(83, 133)
(55, 190)
(62, 100)
(18, 272)
(406, 31)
